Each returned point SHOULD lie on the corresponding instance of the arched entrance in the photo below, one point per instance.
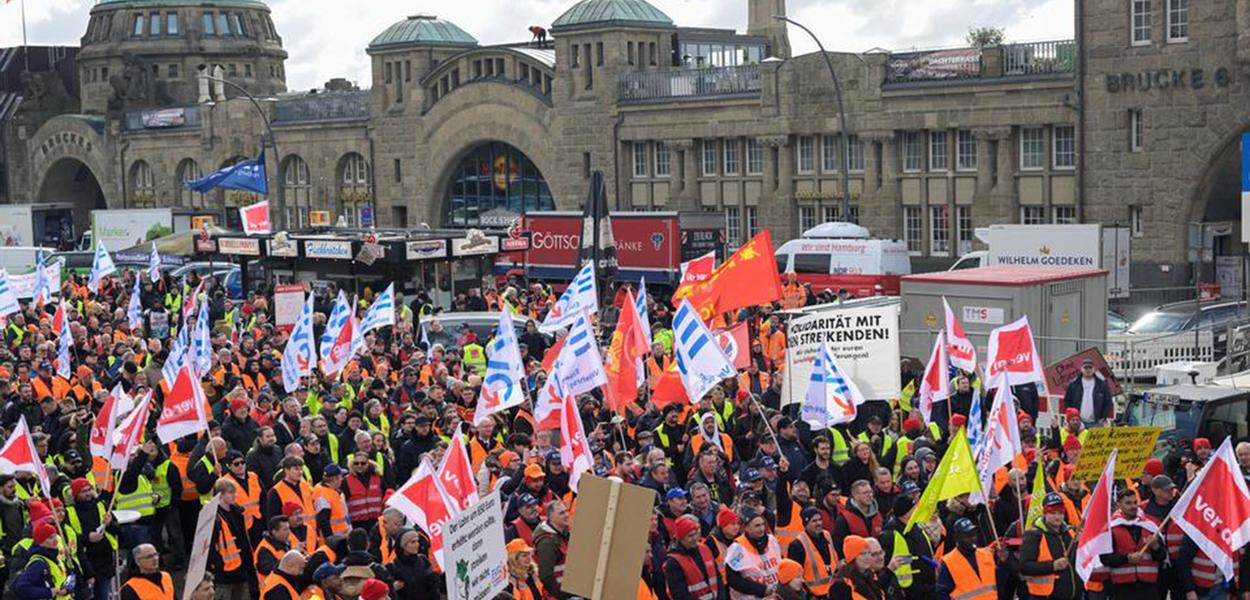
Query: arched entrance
(71, 180)
(1215, 217)
(492, 185)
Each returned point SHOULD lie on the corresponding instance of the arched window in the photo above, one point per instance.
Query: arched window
(355, 193)
(493, 184)
(142, 185)
(296, 191)
(189, 170)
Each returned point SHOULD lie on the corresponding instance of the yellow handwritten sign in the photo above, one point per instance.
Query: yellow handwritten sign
(1134, 444)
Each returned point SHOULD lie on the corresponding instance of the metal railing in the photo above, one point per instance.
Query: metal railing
(642, 86)
(162, 119)
(1038, 57)
(329, 106)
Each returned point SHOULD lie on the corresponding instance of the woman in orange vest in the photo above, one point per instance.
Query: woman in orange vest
(522, 572)
(864, 559)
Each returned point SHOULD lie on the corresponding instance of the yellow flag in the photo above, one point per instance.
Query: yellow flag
(955, 475)
(904, 399)
(1038, 495)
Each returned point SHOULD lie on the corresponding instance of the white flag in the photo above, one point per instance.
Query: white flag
(958, 347)
(334, 325)
(8, 299)
(298, 357)
(101, 267)
(579, 362)
(65, 342)
(134, 311)
(503, 383)
(935, 386)
(1001, 440)
(575, 449)
(700, 361)
(154, 265)
(201, 344)
(177, 355)
(832, 397)
(381, 313)
(581, 297)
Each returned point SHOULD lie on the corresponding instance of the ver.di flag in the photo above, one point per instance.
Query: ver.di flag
(425, 503)
(455, 476)
(935, 386)
(1001, 440)
(101, 266)
(580, 298)
(958, 347)
(19, 454)
(1095, 537)
(955, 475)
(298, 356)
(183, 413)
(118, 404)
(700, 360)
(575, 449)
(503, 384)
(1012, 352)
(255, 218)
(127, 436)
(1214, 511)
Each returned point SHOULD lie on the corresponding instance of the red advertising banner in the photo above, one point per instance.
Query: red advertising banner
(642, 242)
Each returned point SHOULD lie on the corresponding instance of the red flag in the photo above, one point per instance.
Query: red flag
(575, 450)
(1096, 537)
(628, 343)
(668, 388)
(58, 319)
(1011, 352)
(935, 386)
(962, 353)
(455, 475)
(424, 502)
(117, 404)
(1214, 511)
(129, 433)
(19, 454)
(183, 413)
(255, 218)
(549, 402)
(736, 342)
(693, 272)
(748, 278)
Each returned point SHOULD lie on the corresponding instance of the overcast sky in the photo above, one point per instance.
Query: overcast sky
(327, 38)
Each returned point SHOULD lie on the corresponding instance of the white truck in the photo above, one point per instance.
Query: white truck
(49, 225)
(1077, 246)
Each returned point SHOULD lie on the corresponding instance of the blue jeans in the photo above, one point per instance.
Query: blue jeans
(103, 587)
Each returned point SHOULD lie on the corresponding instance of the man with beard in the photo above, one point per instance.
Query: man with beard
(329, 441)
(860, 516)
(1133, 545)
(710, 472)
(264, 458)
(286, 426)
(1163, 497)
(813, 548)
(534, 484)
(527, 521)
(969, 571)
(421, 440)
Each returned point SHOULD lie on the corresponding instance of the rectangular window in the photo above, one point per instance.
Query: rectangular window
(655, 60)
(599, 54)
(807, 217)
(805, 154)
(247, 70)
(1032, 148)
(154, 23)
(963, 229)
(1135, 221)
(240, 24)
(939, 231)
(937, 151)
(831, 214)
(855, 149)
(913, 152)
(731, 156)
(390, 73)
(1064, 215)
(753, 222)
(709, 157)
(829, 154)
(1065, 146)
(663, 160)
(1178, 20)
(755, 157)
(232, 70)
(1033, 215)
(139, 25)
(1136, 132)
(1142, 16)
(408, 72)
(965, 151)
(209, 28)
(399, 173)
(171, 23)
(913, 229)
(733, 226)
(629, 52)
(640, 159)
(173, 71)
(223, 24)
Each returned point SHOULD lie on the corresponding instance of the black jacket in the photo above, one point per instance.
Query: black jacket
(233, 519)
(413, 570)
(1068, 585)
(1103, 408)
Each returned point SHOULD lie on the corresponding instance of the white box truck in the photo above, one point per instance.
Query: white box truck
(50, 225)
(1089, 246)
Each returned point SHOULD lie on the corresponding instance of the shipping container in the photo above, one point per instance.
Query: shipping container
(1066, 307)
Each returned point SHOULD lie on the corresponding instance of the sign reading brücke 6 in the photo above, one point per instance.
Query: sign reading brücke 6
(1194, 78)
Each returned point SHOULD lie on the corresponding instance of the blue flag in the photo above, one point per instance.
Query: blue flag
(247, 175)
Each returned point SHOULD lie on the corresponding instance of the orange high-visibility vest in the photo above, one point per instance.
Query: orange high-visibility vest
(180, 459)
(249, 501)
(303, 498)
(231, 559)
(339, 524)
(972, 585)
(274, 580)
(815, 572)
(149, 591)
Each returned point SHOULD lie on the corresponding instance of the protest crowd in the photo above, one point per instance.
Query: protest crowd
(320, 443)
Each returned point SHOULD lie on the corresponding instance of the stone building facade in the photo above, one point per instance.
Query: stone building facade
(454, 133)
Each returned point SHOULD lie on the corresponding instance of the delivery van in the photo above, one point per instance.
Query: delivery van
(843, 256)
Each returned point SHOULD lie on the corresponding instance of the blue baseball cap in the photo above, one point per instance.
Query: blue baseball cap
(675, 493)
(767, 462)
(527, 499)
(332, 470)
(326, 571)
(751, 474)
(909, 487)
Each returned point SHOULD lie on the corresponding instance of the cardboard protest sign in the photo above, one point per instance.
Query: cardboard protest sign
(1135, 444)
(199, 547)
(473, 550)
(609, 539)
(1064, 372)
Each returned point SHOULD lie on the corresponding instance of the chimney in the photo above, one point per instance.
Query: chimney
(219, 88)
(205, 97)
(760, 22)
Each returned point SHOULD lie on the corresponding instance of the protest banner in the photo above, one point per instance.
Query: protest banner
(862, 335)
(1061, 373)
(199, 547)
(473, 550)
(288, 300)
(23, 285)
(1135, 445)
(607, 544)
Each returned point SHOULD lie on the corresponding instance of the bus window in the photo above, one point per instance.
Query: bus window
(783, 263)
(812, 263)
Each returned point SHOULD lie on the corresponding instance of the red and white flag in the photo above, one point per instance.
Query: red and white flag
(1011, 352)
(699, 269)
(58, 318)
(1001, 441)
(575, 449)
(425, 503)
(1214, 511)
(736, 342)
(118, 403)
(255, 218)
(128, 435)
(935, 386)
(1096, 536)
(455, 476)
(19, 454)
(962, 353)
(342, 349)
(183, 413)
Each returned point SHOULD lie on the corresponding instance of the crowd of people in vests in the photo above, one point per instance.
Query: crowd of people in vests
(750, 501)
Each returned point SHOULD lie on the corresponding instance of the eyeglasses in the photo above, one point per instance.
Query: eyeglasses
(359, 464)
(147, 556)
(875, 552)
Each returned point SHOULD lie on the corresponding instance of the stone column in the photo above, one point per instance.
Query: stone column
(683, 174)
(771, 167)
(986, 164)
(883, 216)
(785, 166)
(1006, 158)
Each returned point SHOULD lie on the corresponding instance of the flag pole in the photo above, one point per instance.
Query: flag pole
(25, 46)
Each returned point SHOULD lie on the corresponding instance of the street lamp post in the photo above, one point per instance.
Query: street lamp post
(845, 163)
(273, 141)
